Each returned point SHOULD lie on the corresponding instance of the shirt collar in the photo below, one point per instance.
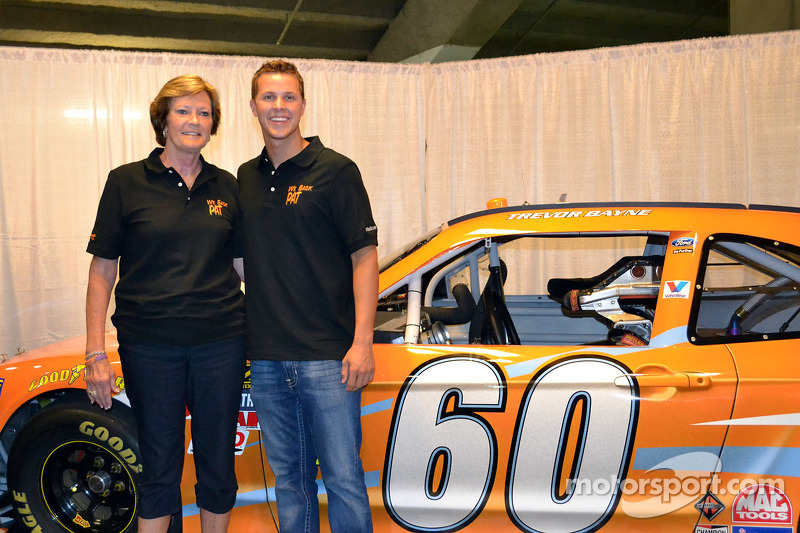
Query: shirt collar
(154, 163)
(305, 158)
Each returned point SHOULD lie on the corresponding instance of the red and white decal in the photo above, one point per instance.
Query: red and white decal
(762, 504)
(241, 440)
(248, 420)
(677, 289)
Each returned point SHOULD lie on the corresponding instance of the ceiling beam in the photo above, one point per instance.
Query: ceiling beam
(214, 10)
(128, 42)
(445, 30)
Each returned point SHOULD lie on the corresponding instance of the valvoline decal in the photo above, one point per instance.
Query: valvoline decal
(762, 504)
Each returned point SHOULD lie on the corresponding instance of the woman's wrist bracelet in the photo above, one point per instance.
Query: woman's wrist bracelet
(94, 358)
(94, 354)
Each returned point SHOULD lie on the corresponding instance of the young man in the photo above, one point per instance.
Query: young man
(311, 267)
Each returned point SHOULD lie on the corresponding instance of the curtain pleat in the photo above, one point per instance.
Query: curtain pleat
(713, 120)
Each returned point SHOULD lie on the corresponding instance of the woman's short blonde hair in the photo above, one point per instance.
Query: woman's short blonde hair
(185, 85)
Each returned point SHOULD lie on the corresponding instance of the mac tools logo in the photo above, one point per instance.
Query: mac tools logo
(677, 289)
(762, 504)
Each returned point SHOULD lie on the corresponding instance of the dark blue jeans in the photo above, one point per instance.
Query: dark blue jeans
(162, 381)
(306, 414)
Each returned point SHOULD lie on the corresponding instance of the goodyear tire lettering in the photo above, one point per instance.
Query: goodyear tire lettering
(117, 444)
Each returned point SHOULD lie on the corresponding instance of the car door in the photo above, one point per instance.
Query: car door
(748, 299)
(549, 436)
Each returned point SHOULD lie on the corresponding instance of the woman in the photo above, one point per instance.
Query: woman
(172, 223)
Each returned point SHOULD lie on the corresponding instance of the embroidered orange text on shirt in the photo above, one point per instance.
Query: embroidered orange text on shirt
(295, 191)
(215, 208)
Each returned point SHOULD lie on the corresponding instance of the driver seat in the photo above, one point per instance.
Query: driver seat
(491, 322)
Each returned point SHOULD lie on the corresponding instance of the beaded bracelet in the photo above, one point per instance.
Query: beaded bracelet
(98, 352)
(99, 357)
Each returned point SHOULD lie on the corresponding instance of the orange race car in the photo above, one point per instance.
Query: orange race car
(552, 368)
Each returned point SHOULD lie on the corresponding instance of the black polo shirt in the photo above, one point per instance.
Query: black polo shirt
(175, 247)
(301, 223)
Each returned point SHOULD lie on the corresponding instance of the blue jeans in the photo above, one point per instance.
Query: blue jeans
(306, 414)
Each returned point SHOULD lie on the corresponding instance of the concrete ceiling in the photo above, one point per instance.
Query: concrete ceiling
(359, 30)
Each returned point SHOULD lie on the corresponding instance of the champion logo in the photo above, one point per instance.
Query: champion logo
(711, 529)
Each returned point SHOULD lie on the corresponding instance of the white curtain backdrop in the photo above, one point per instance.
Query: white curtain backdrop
(707, 120)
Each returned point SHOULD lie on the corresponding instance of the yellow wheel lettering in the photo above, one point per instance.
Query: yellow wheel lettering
(101, 434)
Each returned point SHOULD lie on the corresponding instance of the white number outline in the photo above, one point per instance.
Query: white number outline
(580, 399)
(461, 410)
(625, 459)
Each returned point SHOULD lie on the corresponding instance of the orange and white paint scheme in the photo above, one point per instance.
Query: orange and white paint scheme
(551, 368)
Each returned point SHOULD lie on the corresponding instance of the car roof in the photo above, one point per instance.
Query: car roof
(627, 205)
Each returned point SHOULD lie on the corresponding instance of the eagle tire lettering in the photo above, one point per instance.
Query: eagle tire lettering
(24, 512)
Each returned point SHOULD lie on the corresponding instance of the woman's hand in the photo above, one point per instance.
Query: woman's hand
(101, 383)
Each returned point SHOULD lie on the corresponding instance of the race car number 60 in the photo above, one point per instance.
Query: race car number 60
(441, 459)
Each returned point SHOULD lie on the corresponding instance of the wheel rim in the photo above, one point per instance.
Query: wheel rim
(87, 487)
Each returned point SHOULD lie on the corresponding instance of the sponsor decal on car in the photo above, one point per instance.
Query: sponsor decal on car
(762, 504)
(683, 242)
(710, 506)
(247, 402)
(242, 435)
(248, 420)
(1, 392)
(711, 529)
(68, 375)
(761, 529)
(683, 245)
(581, 214)
(677, 289)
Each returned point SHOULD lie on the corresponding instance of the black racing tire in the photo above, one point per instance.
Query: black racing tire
(74, 468)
